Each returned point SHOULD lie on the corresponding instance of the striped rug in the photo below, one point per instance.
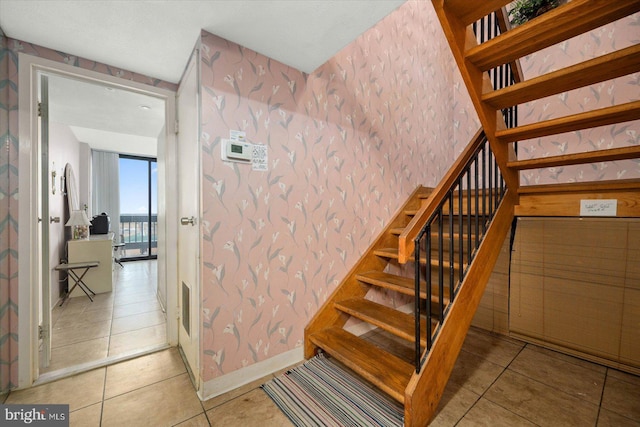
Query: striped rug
(321, 393)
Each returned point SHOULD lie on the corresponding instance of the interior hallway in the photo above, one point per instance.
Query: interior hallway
(497, 381)
(124, 321)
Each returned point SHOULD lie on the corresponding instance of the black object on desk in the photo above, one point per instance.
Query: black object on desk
(76, 271)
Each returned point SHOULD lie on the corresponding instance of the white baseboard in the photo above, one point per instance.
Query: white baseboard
(235, 379)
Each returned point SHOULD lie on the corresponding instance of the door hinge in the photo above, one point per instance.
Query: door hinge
(41, 332)
(177, 126)
(39, 109)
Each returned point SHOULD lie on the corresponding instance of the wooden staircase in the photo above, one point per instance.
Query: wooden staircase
(419, 384)
(325, 331)
(475, 60)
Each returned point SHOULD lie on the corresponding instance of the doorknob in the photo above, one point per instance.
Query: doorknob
(55, 219)
(186, 221)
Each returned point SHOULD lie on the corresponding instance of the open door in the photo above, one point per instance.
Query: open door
(188, 160)
(44, 327)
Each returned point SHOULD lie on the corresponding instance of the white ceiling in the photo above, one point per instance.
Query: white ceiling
(155, 38)
(107, 118)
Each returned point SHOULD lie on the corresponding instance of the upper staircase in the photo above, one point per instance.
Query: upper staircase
(436, 255)
(477, 59)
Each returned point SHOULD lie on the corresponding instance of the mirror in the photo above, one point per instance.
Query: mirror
(72, 189)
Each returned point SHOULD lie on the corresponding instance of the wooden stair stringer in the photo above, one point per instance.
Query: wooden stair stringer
(425, 389)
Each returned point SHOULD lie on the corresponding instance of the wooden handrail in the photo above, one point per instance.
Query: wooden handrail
(405, 242)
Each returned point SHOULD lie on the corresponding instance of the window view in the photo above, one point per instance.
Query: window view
(138, 207)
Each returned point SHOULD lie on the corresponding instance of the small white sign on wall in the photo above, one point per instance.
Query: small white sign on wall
(604, 207)
(259, 159)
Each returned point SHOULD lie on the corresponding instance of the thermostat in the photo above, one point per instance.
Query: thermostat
(236, 151)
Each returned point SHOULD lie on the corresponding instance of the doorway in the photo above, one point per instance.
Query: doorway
(30, 69)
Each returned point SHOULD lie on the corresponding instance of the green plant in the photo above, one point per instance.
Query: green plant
(524, 10)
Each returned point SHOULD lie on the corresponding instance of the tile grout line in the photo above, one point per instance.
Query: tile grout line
(490, 385)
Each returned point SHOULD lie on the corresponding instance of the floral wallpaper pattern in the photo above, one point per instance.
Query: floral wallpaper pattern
(617, 35)
(346, 146)
(8, 232)
(9, 185)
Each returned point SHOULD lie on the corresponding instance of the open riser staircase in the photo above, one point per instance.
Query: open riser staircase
(438, 252)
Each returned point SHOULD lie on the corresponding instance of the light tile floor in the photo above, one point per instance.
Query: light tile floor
(122, 321)
(497, 381)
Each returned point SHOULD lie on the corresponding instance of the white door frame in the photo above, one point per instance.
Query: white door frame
(28, 265)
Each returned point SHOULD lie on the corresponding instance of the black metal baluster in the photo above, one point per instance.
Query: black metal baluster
(477, 204)
(460, 232)
(452, 251)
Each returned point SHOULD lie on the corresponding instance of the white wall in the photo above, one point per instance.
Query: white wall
(84, 176)
(63, 148)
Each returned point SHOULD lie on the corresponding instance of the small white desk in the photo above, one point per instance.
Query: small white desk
(99, 247)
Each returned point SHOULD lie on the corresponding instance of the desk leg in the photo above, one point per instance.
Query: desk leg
(78, 282)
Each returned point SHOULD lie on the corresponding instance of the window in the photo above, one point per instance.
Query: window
(138, 207)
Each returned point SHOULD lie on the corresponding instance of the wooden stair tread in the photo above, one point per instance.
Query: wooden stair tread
(612, 154)
(470, 11)
(575, 187)
(590, 119)
(401, 284)
(606, 67)
(400, 324)
(393, 253)
(564, 22)
(434, 234)
(387, 372)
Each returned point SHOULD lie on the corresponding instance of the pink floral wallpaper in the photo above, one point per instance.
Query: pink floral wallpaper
(615, 36)
(346, 145)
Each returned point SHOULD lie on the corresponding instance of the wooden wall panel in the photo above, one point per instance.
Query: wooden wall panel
(575, 284)
(493, 311)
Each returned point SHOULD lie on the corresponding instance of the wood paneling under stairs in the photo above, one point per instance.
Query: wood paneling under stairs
(575, 287)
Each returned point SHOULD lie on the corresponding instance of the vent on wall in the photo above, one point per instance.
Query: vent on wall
(185, 308)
